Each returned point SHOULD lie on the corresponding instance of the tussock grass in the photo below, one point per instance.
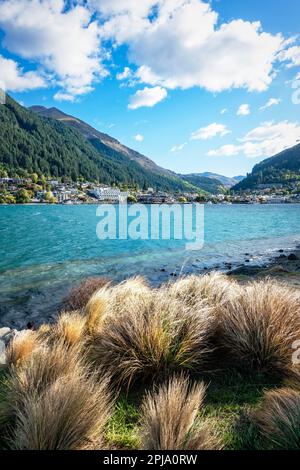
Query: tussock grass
(70, 329)
(278, 419)
(79, 296)
(156, 337)
(57, 388)
(53, 401)
(169, 417)
(258, 327)
(214, 288)
(21, 347)
(69, 414)
(114, 301)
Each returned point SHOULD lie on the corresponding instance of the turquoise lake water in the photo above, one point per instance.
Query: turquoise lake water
(46, 249)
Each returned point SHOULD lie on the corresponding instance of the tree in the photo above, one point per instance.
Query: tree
(131, 199)
(200, 198)
(23, 196)
(182, 200)
(34, 177)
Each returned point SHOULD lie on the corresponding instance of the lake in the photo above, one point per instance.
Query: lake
(46, 249)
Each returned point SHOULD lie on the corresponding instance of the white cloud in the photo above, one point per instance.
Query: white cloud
(139, 138)
(125, 74)
(243, 110)
(171, 43)
(178, 148)
(148, 97)
(183, 45)
(264, 141)
(291, 55)
(61, 96)
(15, 79)
(224, 111)
(214, 129)
(270, 103)
(64, 41)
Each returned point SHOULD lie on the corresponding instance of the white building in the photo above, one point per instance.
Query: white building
(109, 194)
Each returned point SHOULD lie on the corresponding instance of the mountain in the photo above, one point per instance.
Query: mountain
(224, 180)
(283, 168)
(33, 143)
(102, 142)
(208, 184)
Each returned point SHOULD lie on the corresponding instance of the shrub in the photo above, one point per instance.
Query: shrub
(278, 419)
(79, 296)
(258, 327)
(169, 418)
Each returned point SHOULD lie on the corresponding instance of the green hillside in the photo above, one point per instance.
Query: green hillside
(208, 184)
(283, 168)
(31, 143)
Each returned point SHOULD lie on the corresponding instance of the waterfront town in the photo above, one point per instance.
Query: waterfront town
(39, 190)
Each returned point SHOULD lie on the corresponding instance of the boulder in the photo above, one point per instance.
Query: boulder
(293, 257)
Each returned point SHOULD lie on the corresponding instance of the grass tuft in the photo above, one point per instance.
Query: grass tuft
(169, 417)
(278, 419)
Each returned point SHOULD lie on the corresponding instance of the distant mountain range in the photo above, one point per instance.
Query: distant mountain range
(224, 180)
(283, 168)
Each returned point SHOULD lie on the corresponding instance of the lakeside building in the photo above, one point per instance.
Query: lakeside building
(105, 194)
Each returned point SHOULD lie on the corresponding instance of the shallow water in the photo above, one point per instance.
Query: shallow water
(46, 249)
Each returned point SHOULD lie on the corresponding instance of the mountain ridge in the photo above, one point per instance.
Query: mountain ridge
(93, 134)
(31, 143)
(282, 168)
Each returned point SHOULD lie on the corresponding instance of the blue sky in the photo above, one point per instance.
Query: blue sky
(196, 86)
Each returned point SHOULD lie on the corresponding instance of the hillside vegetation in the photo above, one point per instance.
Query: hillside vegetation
(208, 184)
(33, 144)
(283, 168)
(203, 363)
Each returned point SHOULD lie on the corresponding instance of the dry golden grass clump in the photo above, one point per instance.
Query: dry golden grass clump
(70, 329)
(169, 418)
(53, 401)
(154, 337)
(113, 301)
(21, 347)
(214, 288)
(79, 296)
(258, 327)
(69, 414)
(278, 418)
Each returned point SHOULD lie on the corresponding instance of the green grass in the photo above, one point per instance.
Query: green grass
(230, 397)
(122, 429)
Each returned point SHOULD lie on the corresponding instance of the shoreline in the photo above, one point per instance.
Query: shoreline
(283, 266)
(151, 203)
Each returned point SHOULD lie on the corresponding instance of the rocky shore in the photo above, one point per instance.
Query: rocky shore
(285, 267)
